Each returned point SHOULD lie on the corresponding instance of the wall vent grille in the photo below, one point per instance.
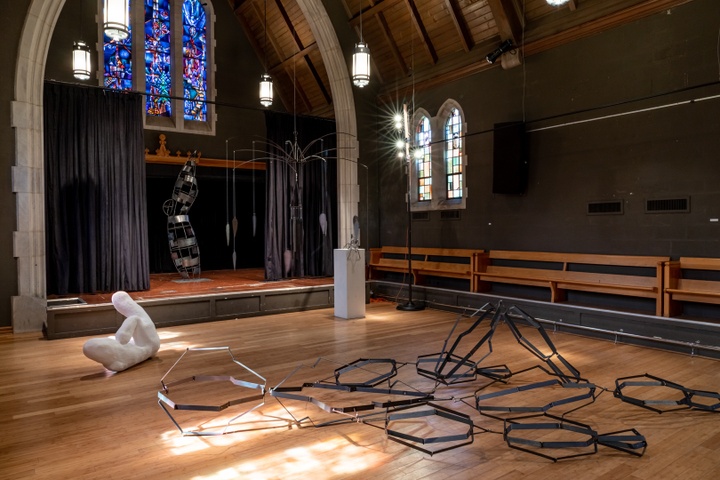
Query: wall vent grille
(450, 215)
(605, 208)
(668, 205)
(421, 216)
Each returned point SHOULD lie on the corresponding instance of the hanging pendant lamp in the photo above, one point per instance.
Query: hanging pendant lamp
(361, 65)
(266, 83)
(81, 60)
(117, 19)
(361, 60)
(266, 90)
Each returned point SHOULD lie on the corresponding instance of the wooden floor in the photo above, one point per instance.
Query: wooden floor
(64, 416)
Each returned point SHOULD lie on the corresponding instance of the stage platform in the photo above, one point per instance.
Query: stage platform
(172, 300)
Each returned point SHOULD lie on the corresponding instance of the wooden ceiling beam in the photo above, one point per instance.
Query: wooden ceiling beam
(507, 20)
(300, 47)
(297, 89)
(376, 7)
(249, 34)
(420, 27)
(440, 75)
(236, 4)
(292, 58)
(270, 37)
(397, 54)
(460, 24)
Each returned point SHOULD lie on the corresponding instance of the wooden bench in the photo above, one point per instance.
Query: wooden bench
(435, 262)
(678, 289)
(629, 275)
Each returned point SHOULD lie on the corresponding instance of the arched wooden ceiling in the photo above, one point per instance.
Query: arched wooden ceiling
(420, 42)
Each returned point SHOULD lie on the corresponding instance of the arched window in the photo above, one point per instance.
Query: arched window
(445, 165)
(174, 38)
(423, 159)
(453, 154)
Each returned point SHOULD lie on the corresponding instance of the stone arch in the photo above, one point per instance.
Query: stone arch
(30, 304)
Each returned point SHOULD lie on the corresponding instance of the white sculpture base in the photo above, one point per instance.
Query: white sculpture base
(349, 283)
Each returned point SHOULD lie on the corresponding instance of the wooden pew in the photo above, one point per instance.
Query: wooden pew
(678, 289)
(561, 272)
(426, 262)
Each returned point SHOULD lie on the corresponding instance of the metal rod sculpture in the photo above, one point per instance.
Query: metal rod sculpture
(372, 392)
(184, 249)
(687, 398)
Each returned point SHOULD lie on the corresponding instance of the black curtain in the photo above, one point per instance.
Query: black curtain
(95, 213)
(300, 196)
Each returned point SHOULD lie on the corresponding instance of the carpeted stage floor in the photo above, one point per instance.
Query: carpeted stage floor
(168, 285)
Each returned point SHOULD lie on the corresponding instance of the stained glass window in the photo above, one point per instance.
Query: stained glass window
(118, 62)
(194, 60)
(453, 154)
(163, 31)
(158, 77)
(423, 159)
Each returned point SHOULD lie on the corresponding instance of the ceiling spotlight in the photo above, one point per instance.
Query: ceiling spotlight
(557, 3)
(505, 46)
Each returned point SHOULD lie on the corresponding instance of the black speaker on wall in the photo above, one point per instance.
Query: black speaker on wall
(510, 162)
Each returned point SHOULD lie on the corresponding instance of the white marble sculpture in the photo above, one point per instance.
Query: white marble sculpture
(135, 341)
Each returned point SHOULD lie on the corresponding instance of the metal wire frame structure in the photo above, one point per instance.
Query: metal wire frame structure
(388, 395)
(184, 250)
(296, 158)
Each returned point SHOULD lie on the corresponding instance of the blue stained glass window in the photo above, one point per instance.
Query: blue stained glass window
(118, 62)
(194, 60)
(158, 78)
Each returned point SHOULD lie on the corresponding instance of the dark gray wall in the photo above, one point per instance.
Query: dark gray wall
(13, 20)
(661, 153)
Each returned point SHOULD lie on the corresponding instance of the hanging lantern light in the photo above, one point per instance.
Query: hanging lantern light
(117, 19)
(266, 86)
(81, 60)
(361, 59)
(361, 65)
(266, 90)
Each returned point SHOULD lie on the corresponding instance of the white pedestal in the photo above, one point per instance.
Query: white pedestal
(349, 283)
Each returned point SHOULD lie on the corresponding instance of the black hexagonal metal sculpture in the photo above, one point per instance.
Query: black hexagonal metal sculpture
(683, 397)
(457, 430)
(460, 362)
(568, 393)
(569, 374)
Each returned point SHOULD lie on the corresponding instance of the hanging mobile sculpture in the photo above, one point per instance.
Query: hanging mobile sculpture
(254, 218)
(184, 250)
(234, 219)
(323, 217)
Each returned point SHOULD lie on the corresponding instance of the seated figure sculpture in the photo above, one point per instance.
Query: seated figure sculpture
(135, 341)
